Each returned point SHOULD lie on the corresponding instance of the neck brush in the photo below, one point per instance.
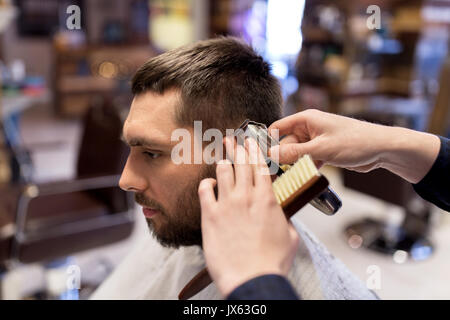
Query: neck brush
(298, 185)
(293, 189)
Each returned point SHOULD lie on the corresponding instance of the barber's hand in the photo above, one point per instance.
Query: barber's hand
(356, 145)
(245, 232)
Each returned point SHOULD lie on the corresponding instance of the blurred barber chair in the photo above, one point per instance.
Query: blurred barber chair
(411, 236)
(44, 222)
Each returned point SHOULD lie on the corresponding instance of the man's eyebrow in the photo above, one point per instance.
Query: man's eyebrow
(142, 142)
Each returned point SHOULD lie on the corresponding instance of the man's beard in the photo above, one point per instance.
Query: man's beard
(182, 227)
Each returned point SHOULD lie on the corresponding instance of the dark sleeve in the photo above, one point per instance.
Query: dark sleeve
(266, 287)
(435, 186)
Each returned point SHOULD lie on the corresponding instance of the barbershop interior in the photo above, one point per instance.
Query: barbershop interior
(66, 228)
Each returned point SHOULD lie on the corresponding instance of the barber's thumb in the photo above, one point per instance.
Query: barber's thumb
(290, 152)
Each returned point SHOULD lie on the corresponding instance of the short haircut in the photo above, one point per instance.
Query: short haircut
(222, 82)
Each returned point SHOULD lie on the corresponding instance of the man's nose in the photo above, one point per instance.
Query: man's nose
(131, 180)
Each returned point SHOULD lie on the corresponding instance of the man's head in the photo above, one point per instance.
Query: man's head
(220, 82)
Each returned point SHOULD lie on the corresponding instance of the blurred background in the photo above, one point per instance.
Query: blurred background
(64, 92)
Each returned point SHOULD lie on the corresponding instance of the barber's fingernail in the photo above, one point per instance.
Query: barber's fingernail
(274, 151)
(252, 145)
(252, 141)
(224, 161)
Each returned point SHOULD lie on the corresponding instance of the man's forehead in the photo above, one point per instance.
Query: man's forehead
(152, 106)
(152, 115)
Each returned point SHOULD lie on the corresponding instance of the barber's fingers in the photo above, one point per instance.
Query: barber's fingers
(242, 169)
(288, 124)
(225, 177)
(261, 173)
(229, 147)
(290, 152)
(291, 138)
(206, 195)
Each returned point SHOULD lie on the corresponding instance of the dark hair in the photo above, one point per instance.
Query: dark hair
(222, 82)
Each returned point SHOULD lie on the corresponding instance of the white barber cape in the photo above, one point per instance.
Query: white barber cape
(151, 271)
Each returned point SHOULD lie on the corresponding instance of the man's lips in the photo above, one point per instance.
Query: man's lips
(148, 212)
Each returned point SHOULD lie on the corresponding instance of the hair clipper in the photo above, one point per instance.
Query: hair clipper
(327, 202)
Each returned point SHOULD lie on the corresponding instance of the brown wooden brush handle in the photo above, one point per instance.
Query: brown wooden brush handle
(197, 284)
(305, 194)
(290, 206)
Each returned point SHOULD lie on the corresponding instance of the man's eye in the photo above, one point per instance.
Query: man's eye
(151, 155)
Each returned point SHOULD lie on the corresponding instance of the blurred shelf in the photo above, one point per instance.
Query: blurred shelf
(408, 20)
(314, 36)
(341, 59)
(83, 84)
(21, 102)
(84, 73)
(368, 87)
